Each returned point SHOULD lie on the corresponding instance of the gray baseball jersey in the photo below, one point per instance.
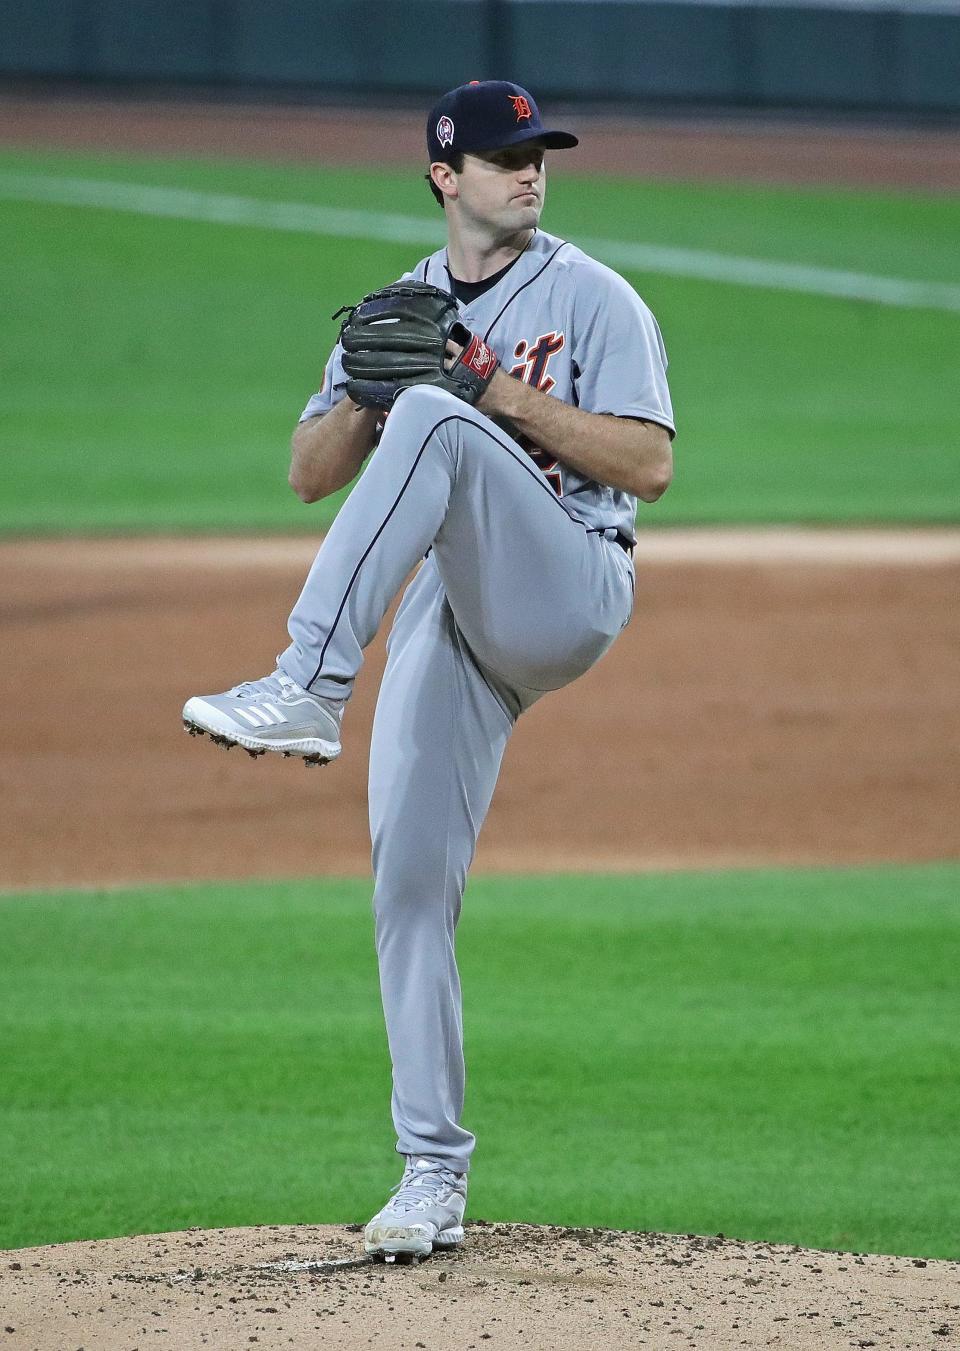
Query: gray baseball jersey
(566, 324)
(527, 582)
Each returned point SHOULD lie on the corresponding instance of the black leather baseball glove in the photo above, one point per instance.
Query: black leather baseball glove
(397, 337)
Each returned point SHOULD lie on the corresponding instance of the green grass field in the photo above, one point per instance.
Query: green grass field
(152, 369)
(768, 1054)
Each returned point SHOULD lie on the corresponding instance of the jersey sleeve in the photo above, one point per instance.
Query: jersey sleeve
(619, 360)
(328, 394)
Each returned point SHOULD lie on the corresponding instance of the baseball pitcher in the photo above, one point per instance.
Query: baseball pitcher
(511, 395)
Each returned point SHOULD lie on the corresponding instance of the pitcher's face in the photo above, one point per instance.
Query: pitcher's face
(504, 189)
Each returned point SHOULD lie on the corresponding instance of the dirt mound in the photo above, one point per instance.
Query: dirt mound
(510, 1285)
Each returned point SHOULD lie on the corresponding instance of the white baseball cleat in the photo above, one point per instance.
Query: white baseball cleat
(426, 1212)
(272, 714)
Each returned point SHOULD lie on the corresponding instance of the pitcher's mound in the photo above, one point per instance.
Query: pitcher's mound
(509, 1286)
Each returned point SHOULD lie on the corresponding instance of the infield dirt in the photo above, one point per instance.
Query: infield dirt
(766, 705)
(756, 149)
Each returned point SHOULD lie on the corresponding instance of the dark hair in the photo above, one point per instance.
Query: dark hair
(456, 164)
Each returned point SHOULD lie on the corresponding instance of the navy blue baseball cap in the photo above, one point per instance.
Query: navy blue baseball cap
(488, 115)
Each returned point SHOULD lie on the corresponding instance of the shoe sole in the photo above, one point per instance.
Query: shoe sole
(400, 1244)
(312, 750)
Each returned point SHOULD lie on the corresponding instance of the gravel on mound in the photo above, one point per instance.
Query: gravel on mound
(510, 1285)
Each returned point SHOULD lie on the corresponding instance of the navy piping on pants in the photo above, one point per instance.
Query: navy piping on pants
(453, 417)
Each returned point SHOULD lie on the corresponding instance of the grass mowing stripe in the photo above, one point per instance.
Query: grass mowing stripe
(775, 276)
(141, 199)
(184, 350)
(851, 230)
(303, 217)
(767, 1053)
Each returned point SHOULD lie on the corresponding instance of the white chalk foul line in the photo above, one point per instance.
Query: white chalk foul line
(389, 227)
(222, 209)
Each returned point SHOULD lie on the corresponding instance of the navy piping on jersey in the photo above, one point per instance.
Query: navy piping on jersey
(452, 417)
(536, 275)
(508, 303)
(488, 282)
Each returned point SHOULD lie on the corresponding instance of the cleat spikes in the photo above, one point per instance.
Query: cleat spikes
(227, 743)
(273, 715)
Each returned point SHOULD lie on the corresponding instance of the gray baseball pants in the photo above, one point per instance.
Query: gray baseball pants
(516, 599)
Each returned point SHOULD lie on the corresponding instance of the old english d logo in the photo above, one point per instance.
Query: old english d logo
(521, 107)
(445, 131)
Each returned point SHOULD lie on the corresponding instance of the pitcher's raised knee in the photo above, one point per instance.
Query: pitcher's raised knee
(429, 400)
(431, 404)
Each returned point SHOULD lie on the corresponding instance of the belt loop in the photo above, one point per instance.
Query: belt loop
(610, 532)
